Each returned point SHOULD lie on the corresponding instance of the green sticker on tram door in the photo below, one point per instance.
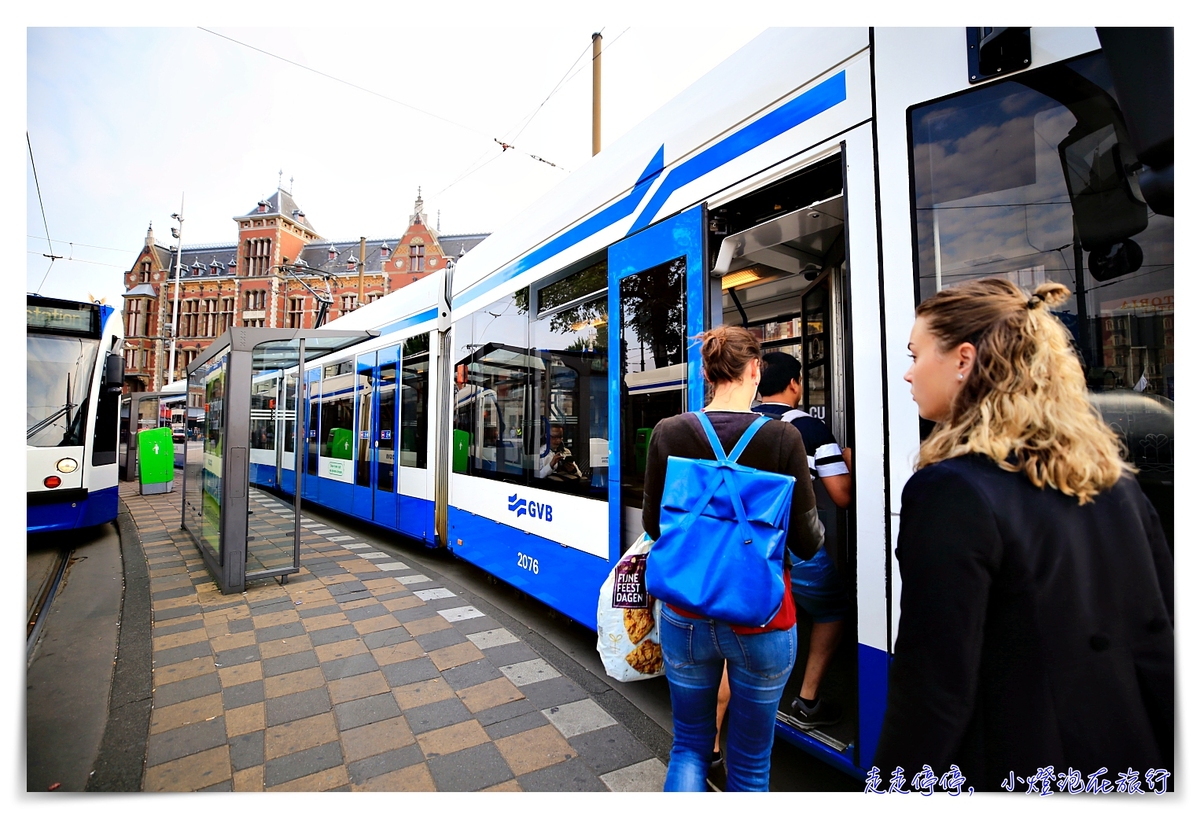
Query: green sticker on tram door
(156, 460)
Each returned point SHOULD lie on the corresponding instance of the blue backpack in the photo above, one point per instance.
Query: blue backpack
(723, 535)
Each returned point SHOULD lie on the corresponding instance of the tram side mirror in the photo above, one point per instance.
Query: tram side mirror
(1105, 197)
(1142, 63)
(114, 371)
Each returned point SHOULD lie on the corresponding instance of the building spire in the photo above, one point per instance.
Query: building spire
(418, 216)
(150, 235)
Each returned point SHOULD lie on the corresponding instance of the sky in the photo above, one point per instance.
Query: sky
(126, 126)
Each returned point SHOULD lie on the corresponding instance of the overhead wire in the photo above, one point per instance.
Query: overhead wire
(567, 77)
(364, 89)
(41, 205)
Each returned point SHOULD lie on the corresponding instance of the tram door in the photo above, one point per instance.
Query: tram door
(374, 495)
(657, 287)
(365, 382)
(783, 277)
(384, 438)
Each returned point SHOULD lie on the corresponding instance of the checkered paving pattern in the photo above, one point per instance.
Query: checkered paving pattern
(361, 673)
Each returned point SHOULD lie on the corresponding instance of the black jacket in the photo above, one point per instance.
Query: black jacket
(1033, 631)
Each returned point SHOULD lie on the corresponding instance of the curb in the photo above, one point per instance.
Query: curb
(122, 756)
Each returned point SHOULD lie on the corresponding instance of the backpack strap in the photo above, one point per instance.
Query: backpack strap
(739, 447)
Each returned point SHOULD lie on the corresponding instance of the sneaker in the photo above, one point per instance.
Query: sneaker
(823, 713)
(716, 773)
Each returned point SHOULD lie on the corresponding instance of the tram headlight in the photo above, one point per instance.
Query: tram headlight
(67, 465)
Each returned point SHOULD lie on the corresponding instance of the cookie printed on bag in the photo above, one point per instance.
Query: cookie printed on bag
(646, 657)
(638, 623)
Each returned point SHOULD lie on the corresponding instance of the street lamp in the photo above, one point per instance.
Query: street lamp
(178, 234)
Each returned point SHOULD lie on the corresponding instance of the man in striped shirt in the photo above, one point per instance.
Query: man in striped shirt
(815, 581)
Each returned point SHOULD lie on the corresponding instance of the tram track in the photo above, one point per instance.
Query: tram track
(41, 601)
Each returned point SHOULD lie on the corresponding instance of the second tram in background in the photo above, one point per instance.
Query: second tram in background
(814, 188)
(73, 390)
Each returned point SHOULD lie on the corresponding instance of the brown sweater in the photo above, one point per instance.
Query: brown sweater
(777, 447)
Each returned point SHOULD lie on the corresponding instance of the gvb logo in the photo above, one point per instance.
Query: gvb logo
(539, 511)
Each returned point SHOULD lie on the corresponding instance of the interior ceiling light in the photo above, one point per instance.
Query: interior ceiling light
(739, 278)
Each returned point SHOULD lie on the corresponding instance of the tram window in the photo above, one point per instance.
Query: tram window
(999, 176)
(387, 430)
(262, 413)
(364, 396)
(414, 402)
(492, 431)
(590, 281)
(570, 391)
(653, 369)
(312, 446)
(289, 413)
(337, 411)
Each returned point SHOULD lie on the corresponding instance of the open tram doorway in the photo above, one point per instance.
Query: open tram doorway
(778, 257)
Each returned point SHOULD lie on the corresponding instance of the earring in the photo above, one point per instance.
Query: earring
(960, 376)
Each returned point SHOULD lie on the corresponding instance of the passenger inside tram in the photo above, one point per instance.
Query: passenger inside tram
(815, 582)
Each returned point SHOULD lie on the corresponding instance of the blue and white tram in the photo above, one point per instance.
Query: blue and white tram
(814, 188)
(75, 371)
(370, 421)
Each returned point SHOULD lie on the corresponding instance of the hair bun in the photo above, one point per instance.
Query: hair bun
(1051, 294)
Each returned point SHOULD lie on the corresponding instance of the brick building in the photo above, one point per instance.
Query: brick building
(256, 281)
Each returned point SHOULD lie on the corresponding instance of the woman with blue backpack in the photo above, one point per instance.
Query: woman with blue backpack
(719, 565)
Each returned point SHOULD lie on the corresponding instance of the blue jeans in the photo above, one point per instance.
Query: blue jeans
(694, 653)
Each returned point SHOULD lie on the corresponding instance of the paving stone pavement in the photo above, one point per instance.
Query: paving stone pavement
(361, 673)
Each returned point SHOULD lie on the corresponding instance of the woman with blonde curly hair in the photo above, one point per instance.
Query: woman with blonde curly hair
(1037, 590)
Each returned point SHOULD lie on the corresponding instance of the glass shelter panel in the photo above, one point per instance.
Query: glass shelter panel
(1034, 179)
(203, 480)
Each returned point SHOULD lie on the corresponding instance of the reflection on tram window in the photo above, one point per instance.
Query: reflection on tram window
(387, 422)
(570, 391)
(262, 411)
(365, 398)
(653, 366)
(491, 424)
(531, 386)
(1032, 179)
(337, 411)
(289, 414)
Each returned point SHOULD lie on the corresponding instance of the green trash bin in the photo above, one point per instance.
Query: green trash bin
(156, 460)
(641, 447)
(462, 449)
(341, 444)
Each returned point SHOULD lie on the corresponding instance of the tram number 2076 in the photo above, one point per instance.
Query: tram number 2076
(527, 562)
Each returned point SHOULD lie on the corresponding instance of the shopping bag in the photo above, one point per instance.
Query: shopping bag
(627, 619)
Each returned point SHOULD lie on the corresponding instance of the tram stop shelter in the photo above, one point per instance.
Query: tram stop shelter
(246, 383)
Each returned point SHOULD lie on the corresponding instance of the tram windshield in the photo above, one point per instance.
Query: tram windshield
(59, 383)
